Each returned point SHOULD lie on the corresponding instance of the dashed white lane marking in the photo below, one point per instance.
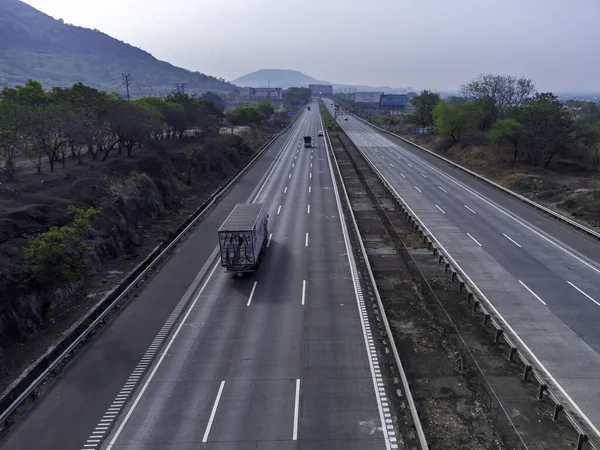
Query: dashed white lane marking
(285, 190)
(474, 240)
(423, 175)
(296, 410)
(303, 291)
(290, 176)
(306, 240)
(443, 190)
(133, 379)
(403, 176)
(293, 165)
(409, 165)
(279, 210)
(581, 292)
(311, 165)
(310, 176)
(511, 240)
(440, 209)
(532, 293)
(269, 241)
(418, 189)
(309, 189)
(252, 293)
(469, 209)
(391, 165)
(213, 412)
(308, 209)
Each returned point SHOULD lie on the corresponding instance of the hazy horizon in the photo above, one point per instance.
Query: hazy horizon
(429, 44)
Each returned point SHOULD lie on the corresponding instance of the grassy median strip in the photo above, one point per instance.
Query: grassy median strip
(328, 119)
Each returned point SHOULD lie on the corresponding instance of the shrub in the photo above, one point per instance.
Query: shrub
(59, 253)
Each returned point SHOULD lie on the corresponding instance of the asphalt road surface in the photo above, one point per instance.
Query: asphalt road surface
(542, 276)
(279, 359)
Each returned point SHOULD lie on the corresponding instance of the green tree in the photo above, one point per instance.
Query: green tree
(549, 128)
(588, 136)
(265, 108)
(424, 104)
(450, 120)
(59, 253)
(511, 131)
(215, 99)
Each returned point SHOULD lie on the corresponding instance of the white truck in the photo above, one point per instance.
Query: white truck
(243, 236)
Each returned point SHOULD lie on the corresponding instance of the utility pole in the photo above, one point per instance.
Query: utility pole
(126, 81)
(176, 87)
(183, 88)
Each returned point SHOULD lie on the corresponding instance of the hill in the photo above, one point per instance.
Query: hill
(35, 45)
(292, 78)
(276, 78)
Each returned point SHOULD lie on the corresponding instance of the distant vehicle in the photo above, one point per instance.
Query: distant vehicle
(308, 141)
(243, 237)
(319, 133)
(345, 118)
(308, 107)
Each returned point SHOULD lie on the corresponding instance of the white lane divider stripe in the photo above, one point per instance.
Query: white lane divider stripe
(469, 209)
(440, 209)
(532, 293)
(418, 189)
(306, 240)
(309, 189)
(213, 412)
(303, 291)
(474, 240)
(308, 209)
(423, 175)
(285, 190)
(296, 410)
(279, 210)
(403, 176)
(443, 190)
(252, 293)
(511, 240)
(269, 240)
(157, 343)
(290, 176)
(581, 292)
(391, 165)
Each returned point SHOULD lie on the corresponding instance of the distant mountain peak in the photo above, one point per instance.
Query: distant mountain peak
(282, 78)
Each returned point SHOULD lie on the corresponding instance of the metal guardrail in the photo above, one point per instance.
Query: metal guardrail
(404, 379)
(533, 365)
(562, 218)
(25, 386)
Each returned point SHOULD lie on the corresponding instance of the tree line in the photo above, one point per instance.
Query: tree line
(40, 124)
(537, 126)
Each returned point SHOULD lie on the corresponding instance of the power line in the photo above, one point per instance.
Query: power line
(126, 81)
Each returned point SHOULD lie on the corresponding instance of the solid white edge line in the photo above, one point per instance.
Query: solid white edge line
(296, 410)
(213, 412)
(583, 293)
(474, 240)
(532, 293)
(350, 256)
(511, 240)
(160, 360)
(440, 209)
(303, 291)
(252, 293)
(469, 209)
(269, 240)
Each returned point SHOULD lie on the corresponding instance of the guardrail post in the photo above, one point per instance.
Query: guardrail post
(557, 410)
(486, 319)
(475, 305)
(511, 352)
(543, 388)
(461, 286)
(498, 335)
(580, 441)
(526, 372)
(440, 259)
(453, 276)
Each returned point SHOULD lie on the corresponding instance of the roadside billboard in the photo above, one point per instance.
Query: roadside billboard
(393, 100)
(262, 93)
(321, 89)
(367, 97)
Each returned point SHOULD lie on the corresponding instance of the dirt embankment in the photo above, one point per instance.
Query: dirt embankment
(143, 199)
(570, 188)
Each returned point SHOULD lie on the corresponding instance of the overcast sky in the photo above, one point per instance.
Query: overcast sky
(436, 44)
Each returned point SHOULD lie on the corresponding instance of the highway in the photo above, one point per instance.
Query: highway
(541, 276)
(280, 359)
